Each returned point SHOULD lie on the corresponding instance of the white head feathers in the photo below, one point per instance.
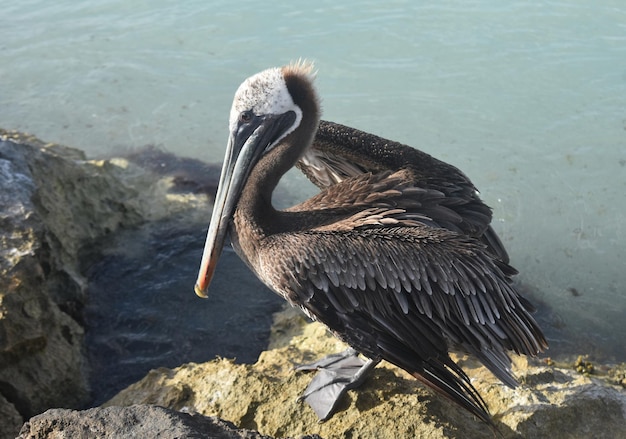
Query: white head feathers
(266, 93)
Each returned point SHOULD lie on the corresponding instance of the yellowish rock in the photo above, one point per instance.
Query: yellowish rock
(550, 402)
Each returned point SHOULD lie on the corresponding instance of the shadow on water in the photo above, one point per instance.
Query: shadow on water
(142, 312)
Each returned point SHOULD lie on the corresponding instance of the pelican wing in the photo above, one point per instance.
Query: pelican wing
(392, 195)
(393, 283)
(340, 152)
(407, 295)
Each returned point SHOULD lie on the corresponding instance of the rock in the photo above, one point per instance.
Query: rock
(551, 402)
(11, 419)
(41, 363)
(55, 206)
(140, 421)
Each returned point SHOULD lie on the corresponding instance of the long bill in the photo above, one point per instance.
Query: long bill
(218, 227)
(245, 147)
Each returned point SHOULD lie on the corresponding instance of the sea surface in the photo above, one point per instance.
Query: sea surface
(527, 98)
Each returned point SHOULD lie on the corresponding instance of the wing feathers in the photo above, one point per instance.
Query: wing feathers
(408, 295)
(405, 268)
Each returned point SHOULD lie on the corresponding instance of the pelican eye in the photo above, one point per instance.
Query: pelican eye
(245, 116)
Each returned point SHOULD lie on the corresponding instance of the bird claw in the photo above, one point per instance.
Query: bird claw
(337, 373)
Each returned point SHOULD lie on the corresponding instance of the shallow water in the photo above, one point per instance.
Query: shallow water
(143, 315)
(528, 98)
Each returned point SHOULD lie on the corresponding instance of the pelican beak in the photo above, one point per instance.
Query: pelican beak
(246, 144)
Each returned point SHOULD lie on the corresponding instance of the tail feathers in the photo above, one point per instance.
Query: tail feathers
(457, 388)
(499, 364)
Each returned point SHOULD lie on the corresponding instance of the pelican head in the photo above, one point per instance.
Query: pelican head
(264, 112)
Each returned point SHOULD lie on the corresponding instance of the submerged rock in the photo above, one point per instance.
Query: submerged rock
(551, 402)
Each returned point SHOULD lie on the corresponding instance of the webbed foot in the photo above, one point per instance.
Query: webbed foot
(337, 373)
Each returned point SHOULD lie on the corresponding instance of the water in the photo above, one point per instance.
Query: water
(528, 98)
(142, 313)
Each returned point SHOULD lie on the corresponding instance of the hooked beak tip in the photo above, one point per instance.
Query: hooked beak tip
(200, 292)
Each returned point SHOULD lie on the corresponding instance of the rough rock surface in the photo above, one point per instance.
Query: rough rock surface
(140, 421)
(41, 363)
(54, 205)
(10, 419)
(552, 402)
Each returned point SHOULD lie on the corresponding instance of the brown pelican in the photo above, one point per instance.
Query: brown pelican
(368, 256)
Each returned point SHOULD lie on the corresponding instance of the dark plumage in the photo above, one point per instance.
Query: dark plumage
(391, 258)
(339, 152)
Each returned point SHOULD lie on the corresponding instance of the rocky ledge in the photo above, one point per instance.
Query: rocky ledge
(55, 205)
(551, 402)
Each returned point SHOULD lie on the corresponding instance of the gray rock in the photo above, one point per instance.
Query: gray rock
(41, 363)
(54, 205)
(11, 419)
(138, 421)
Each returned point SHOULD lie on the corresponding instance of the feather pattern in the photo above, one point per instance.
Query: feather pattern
(357, 294)
(339, 152)
(358, 274)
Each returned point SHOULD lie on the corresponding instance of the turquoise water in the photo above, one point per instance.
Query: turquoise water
(528, 98)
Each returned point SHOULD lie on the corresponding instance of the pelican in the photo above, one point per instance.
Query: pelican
(383, 262)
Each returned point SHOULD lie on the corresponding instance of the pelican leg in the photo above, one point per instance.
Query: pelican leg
(337, 373)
